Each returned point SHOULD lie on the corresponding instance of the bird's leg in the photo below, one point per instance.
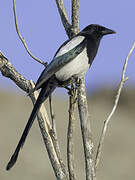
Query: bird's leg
(77, 82)
(73, 92)
(73, 89)
(77, 85)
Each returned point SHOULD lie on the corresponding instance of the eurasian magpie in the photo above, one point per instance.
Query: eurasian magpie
(71, 61)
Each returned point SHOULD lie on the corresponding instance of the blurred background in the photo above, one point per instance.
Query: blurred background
(40, 25)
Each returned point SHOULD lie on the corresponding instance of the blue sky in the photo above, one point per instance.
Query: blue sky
(40, 25)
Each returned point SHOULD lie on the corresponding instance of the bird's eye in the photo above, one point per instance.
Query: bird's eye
(100, 28)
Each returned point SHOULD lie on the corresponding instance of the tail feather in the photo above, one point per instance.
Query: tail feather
(46, 90)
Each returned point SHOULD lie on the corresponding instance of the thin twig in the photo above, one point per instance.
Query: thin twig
(54, 137)
(106, 122)
(70, 143)
(75, 16)
(64, 18)
(86, 130)
(9, 71)
(22, 39)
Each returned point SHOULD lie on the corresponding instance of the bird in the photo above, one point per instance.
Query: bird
(72, 60)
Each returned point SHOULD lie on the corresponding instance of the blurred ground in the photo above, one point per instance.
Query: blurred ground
(118, 159)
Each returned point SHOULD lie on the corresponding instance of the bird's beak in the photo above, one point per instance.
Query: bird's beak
(108, 31)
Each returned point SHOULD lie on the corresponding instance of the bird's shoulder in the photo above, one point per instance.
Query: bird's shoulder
(69, 44)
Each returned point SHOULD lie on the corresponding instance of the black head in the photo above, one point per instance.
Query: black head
(96, 30)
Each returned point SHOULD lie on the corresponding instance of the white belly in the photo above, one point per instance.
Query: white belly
(76, 67)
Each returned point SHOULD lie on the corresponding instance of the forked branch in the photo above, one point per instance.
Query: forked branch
(9, 71)
(106, 122)
(51, 141)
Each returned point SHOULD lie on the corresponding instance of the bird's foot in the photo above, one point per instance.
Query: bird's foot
(77, 82)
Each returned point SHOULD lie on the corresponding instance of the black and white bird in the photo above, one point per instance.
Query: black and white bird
(72, 60)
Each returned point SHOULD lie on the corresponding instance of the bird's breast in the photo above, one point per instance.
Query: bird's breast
(77, 67)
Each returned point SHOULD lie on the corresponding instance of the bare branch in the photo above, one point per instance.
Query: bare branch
(70, 143)
(22, 39)
(71, 31)
(75, 16)
(86, 130)
(43, 122)
(64, 18)
(54, 137)
(9, 71)
(106, 122)
(59, 169)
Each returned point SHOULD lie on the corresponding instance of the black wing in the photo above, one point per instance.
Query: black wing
(58, 62)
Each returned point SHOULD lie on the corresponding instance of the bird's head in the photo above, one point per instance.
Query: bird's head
(96, 30)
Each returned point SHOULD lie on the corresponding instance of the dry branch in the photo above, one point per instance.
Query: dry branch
(59, 170)
(106, 122)
(23, 40)
(83, 108)
(75, 16)
(49, 133)
(9, 71)
(64, 17)
(82, 101)
(54, 137)
(86, 131)
(70, 134)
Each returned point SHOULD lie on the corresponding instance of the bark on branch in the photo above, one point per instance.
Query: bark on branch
(64, 18)
(9, 71)
(71, 29)
(70, 134)
(86, 130)
(106, 122)
(48, 133)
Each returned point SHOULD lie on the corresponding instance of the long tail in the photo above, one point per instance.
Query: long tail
(46, 90)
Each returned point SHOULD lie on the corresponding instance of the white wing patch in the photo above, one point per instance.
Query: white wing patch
(77, 67)
(70, 45)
